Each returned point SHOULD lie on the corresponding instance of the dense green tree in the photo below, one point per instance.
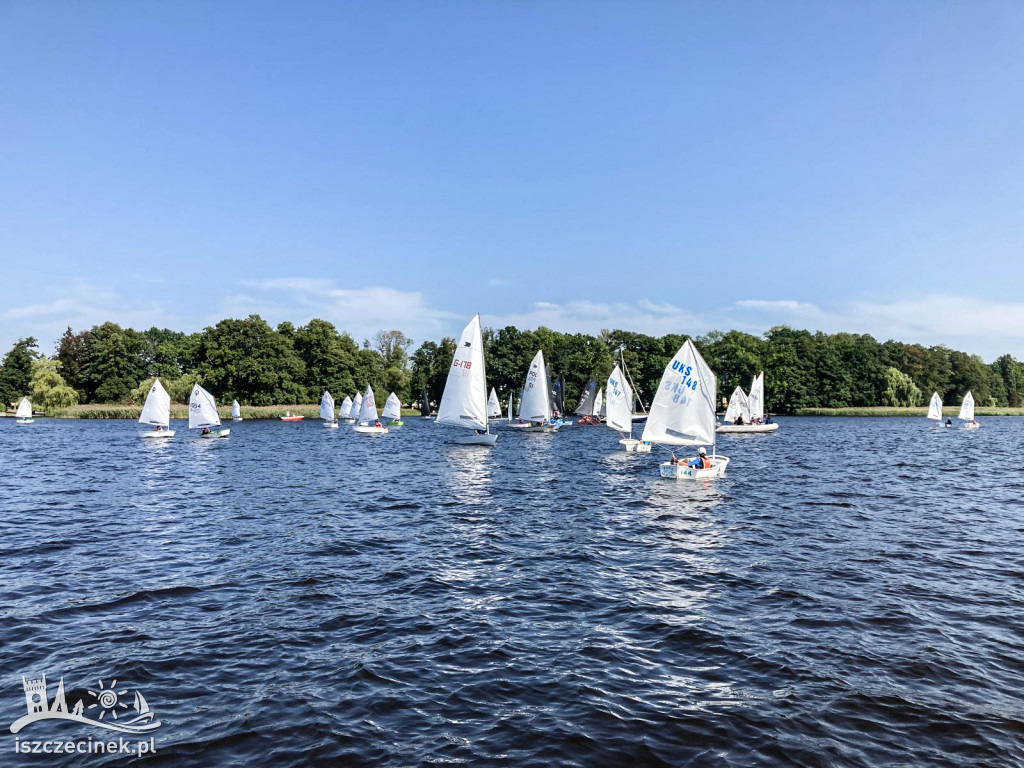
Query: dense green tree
(49, 390)
(249, 361)
(900, 389)
(329, 357)
(16, 370)
(1012, 375)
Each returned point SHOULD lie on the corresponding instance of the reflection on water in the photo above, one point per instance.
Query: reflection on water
(845, 588)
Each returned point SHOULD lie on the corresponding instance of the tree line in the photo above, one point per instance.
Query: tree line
(257, 364)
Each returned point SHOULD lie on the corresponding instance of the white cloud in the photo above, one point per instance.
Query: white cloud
(361, 312)
(593, 317)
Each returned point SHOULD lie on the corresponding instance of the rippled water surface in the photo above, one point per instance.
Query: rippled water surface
(849, 594)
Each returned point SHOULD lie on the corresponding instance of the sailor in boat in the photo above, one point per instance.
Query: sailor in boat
(377, 423)
(701, 460)
(739, 420)
(159, 428)
(949, 422)
(206, 431)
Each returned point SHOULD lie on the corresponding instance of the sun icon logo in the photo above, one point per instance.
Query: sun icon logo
(107, 700)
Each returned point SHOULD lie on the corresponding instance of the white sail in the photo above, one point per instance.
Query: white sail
(619, 414)
(236, 410)
(493, 406)
(599, 402)
(357, 406)
(346, 408)
(464, 400)
(511, 413)
(24, 409)
(392, 409)
(935, 407)
(738, 406)
(536, 402)
(368, 408)
(327, 407)
(202, 409)
(157, 410)
(683, 411)
(967, 408)
(756, 399)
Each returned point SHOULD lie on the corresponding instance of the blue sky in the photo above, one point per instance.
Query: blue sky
(660, 167)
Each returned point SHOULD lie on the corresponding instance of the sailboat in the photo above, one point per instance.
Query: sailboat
(24, 412)
(464, 401)
(144, 713)
(424, 404)
(619, 413)
(357, 406)
(392, 413)
(535, 407)
(157, 412)
(599, 406)
(751, 408)
(493, 405)
(327, 411)
(586, 407)
(236, 411)
(367, 423)
(345, 411)
(683, 413)
(935, 407)
(967, 412)
(202, 414)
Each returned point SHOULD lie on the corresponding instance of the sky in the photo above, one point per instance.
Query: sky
(652, 166)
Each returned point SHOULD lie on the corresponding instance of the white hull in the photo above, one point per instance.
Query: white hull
(347, 420)
(682, 472)
(513, 425)
(427, 418)
(542, 429)
(487, 438)
(970, 425)
(238, 419)
(26, 421)
(631, 445)
(745, 428)
(365, 429)
(161, 433)
(331, 424)
(216, 433)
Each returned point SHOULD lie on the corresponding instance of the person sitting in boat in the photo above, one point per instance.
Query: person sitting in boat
(206, 431)
(159, 428)
(701, 460)
(673, 461)
(739, 420)
(377, 423)
(949, 422)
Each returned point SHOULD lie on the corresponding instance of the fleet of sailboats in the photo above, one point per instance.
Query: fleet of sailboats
(745, 413)
(683, 414)
(464, 401)
(156, 412)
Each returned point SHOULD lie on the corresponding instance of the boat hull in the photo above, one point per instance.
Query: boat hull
(365, 429)
(331, 424)
(487, 438)
(742, 429)
(975, 425)
(513, 425)
(155, 434)
(543, 429)
(26, 421)
(290, 418)
(215, 433)
(680, 471)
(631, 445)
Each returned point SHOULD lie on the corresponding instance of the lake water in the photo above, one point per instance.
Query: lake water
(850, 593)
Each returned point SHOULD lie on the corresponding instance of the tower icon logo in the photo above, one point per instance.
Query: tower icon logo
(107, 707)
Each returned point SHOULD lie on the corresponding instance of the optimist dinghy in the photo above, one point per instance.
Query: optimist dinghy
(368, 424)
(619, 412)
(202, 414)
(24, 412)
(157, 412)
(327, 411)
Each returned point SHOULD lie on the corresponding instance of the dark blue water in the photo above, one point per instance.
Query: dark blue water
(849, 594)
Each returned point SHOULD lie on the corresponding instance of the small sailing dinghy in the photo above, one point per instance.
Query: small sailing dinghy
(585, 409)
(535, 407)
(619, 413)
(935, 408)
(367, 422)
(357, 406)
(327, 411)
(392, 413)
(202, 414)
(24, 412)
(424, 405)
(345, 411)
(493, 406)
(683, 413)
(236, 411)
(464, 400)
(967, 412)
(157, 412)
(288, 417)
(750, 408)
(516, 422)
